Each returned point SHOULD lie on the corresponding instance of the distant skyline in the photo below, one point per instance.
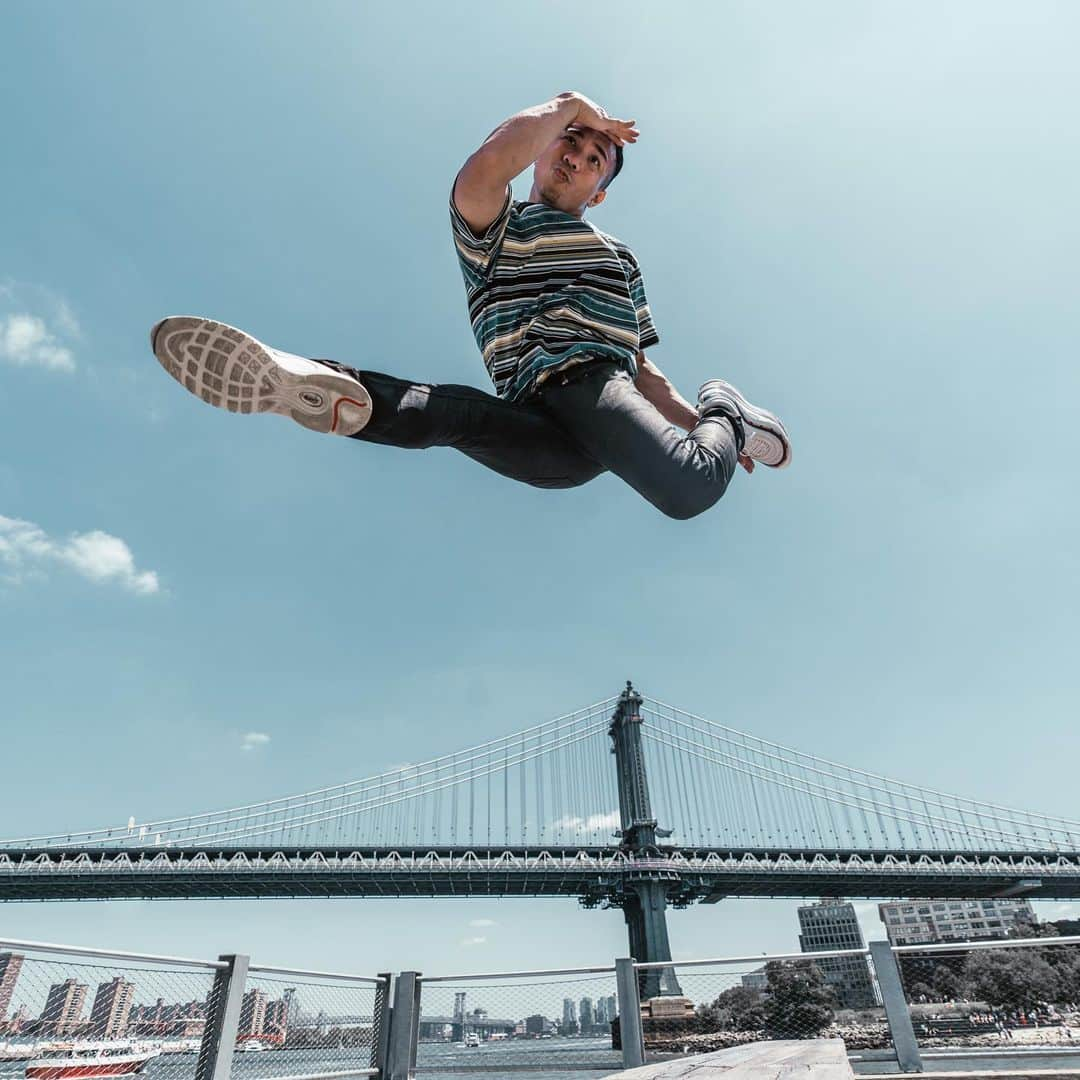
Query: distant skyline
(865, 217)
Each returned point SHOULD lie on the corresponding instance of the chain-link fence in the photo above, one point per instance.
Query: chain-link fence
(296, 1024)
(77, 1015)
(540, 1022)
(68, 1013)
(1000, 995)
(695, 1008)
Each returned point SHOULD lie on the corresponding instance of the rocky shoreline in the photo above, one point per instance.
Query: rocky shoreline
(867, 1037)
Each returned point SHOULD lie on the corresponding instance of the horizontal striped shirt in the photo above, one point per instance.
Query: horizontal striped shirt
(546, 291)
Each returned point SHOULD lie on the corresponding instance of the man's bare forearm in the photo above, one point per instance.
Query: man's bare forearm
(668, 402)
(518, 141)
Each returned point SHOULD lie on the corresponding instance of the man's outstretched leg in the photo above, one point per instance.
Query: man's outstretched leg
(229, 368)
(681, 475)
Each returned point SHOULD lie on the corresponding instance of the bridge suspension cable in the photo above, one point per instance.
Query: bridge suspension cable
(718, 787)
(554, 786)
(540, 786)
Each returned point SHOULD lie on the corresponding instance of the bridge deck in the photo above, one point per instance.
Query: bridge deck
(595, 876)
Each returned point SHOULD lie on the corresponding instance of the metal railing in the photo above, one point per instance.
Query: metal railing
(177, 1018)
(698, 1006)
(561, 1019)
(1016, 997)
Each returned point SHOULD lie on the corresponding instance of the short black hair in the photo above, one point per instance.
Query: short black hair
(618, 168)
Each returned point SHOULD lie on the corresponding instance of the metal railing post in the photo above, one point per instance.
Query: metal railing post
(382, 1032)
(630, 1030)
(404, 1027)
(896, 1007)
(222, 1020)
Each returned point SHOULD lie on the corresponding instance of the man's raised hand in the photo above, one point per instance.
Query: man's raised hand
(591, 115)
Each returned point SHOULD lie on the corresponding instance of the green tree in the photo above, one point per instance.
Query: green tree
(798, 1003)
(1067, 966)
(739, 1008)
(1025, 927)
(946, 982)
(1016, 979)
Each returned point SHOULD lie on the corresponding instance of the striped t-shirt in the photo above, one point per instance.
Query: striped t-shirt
(546, 291)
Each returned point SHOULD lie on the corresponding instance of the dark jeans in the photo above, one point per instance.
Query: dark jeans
(565, 435)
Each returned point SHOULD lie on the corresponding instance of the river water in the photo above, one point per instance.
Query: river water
(562, 1054)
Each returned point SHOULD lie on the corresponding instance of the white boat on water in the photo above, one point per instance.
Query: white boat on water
(88, 1061)
(472, 1039)
(251, 1046)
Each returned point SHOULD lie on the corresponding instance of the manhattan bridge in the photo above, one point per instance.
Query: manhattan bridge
(628, 803)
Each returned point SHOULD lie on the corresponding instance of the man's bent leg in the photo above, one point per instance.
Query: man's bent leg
(681, 475)
(520, 441)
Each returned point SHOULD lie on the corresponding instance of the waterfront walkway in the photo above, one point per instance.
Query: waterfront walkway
(805, 1059)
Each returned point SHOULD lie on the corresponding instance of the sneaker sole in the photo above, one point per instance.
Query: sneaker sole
(766, 438)
(232, 370)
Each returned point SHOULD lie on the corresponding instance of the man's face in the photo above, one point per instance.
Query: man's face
(569, 172)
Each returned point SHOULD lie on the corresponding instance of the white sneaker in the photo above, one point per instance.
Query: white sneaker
(230, 369)
(766, 439)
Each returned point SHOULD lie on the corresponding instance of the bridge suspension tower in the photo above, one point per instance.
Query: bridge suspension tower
(643, 895)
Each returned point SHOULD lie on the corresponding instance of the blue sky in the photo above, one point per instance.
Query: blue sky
(863, 215)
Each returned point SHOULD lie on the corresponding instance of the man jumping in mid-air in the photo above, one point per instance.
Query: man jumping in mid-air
(559, 312)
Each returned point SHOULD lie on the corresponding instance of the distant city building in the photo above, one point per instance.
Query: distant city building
(536, 1025)
(63, 1007)
(292, 1007)
(459, 1006)
(612, 1010)
(178, 1021)
(600, 1015)
(569, 1016)
(111, 1008)
(19, 1021)
(585, 1014)
(276, 1023)
(831, 925)
(10, 966)
(930, 921)
(252, 1014)
(756, 979)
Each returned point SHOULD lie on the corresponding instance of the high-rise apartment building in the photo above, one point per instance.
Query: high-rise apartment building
(292, 1006)
(831, 925)
(63, 1007)
(926, 922)
(10, 966)
(253, 1013)
(585, 1014)
(277, 1019)
(111, 1008)
(612, 1011)
(569, 1016)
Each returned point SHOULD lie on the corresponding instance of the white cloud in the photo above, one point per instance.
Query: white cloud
(480, 923)
(252, 739)
(26, 340)
(27, 550)
(470, 941)
(593, 823)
